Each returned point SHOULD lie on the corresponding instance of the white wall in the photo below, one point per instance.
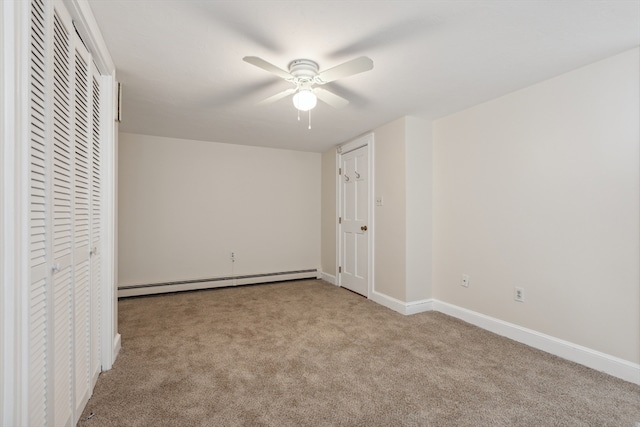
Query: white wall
(390, 218)
(403, 225)
(540, 189)
(185, 205)
(419, 183)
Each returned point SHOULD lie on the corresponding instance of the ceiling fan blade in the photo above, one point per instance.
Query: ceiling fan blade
(330, 98)
(267, 66)
(277, 97)
(349, 68)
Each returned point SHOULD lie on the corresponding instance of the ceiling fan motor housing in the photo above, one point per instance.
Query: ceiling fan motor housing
(303, 69)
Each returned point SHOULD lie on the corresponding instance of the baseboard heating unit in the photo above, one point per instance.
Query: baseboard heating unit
(213, 282)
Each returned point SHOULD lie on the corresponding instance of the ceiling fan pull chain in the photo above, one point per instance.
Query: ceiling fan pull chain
(309, 119)
(298, 114)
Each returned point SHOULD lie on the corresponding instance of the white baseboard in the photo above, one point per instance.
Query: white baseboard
(117, 345)
(123, 293)
(593, 359)
(328, 278)
(415, 307)
(275, 278)
(192, 285)
(401, 307)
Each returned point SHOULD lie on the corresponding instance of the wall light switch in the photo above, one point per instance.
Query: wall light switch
(379, 201)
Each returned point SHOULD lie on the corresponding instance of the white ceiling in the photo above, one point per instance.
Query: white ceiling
(181, 65)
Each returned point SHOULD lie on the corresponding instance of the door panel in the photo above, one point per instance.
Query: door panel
(354, 225)
(96, 224)
(39, 226)
(81, 222)
(62, 214)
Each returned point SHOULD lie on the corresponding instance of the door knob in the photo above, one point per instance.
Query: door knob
(363, 228)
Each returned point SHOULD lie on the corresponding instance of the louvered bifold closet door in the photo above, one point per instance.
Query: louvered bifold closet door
(64, 217)
(63, 186)
(82, 101)
(40, 277)
(96, 223)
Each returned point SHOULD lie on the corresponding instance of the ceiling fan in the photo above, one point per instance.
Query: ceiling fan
(304, 74)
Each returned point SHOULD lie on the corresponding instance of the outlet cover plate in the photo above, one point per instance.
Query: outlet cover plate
(464, 281)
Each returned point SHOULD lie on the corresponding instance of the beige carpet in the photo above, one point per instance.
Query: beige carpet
(307, 353)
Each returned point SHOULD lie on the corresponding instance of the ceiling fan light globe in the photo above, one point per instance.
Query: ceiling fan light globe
(304, 100)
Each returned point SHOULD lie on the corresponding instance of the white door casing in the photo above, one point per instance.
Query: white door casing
(355, 216)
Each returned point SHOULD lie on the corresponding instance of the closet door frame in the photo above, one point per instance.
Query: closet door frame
(14, 211)
(90, 33)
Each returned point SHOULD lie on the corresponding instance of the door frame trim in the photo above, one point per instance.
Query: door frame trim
(366, 140)
(89, 31)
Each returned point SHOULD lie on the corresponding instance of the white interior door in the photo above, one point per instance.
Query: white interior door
(354, 225)
(96, 227)
(82, 103)
(62, 214)
(39, 223)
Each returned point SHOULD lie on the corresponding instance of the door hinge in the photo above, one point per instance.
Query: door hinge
(339, 220)
(339, 171)
(339, 269)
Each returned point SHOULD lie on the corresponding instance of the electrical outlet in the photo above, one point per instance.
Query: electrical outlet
(465, 280)
(518, 294)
